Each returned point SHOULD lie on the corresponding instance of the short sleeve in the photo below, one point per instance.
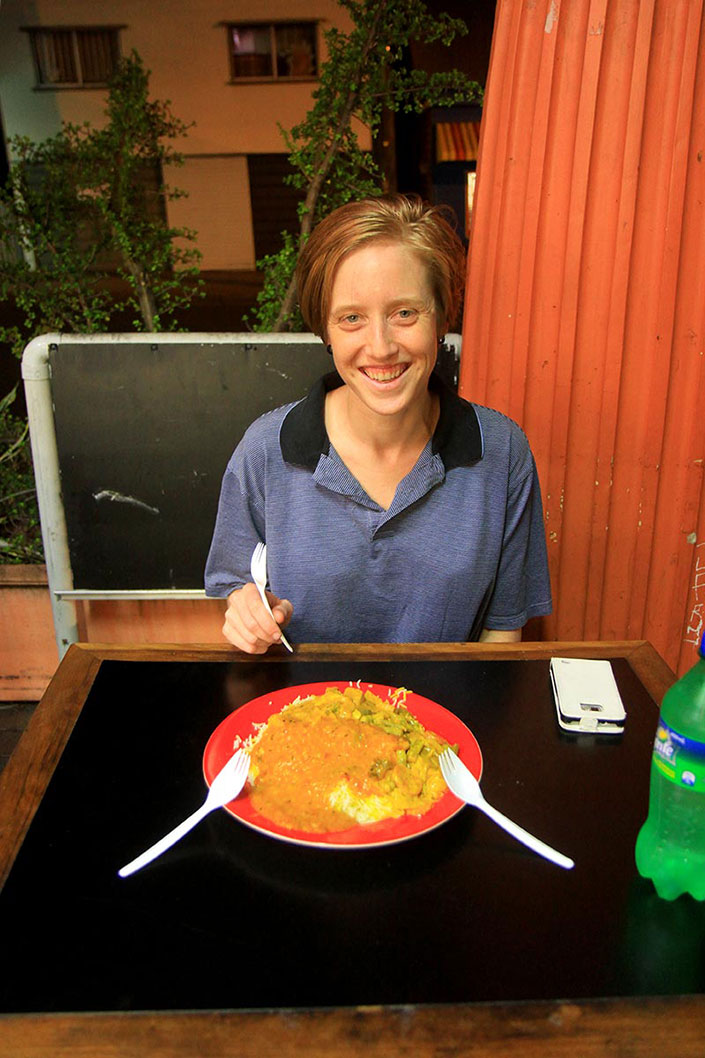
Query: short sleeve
(522, 587)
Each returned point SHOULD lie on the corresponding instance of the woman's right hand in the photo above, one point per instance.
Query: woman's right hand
(248, 626)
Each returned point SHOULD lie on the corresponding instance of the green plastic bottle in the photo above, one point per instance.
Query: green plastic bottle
(670, 848)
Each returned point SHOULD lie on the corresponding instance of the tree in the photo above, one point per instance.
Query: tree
(46, 268)
(71, 205)
(364, 72)
(20, 534)
(135, 142)
(78, 199)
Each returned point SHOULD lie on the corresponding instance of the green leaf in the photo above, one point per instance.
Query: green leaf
(363, 74)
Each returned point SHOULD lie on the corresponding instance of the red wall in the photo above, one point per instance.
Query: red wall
(585, 303)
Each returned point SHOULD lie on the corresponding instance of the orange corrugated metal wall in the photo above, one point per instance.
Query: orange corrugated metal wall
(585, 303)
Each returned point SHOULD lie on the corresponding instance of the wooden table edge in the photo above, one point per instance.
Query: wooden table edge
(26, 775)
(668, 1027)
(652, 670)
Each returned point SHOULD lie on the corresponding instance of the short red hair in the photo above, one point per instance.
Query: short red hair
(401, 219)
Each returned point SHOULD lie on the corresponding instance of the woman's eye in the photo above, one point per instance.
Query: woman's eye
(352, 317)
(406, 314)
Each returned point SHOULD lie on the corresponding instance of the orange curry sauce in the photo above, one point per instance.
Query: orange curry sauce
(306, 751)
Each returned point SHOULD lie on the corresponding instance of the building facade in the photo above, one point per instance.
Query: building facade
(236, 72)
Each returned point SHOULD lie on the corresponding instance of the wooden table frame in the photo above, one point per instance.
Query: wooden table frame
(672, 1027)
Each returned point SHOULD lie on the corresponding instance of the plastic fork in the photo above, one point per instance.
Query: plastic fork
(224, 788)
(258, 569)
(464, 785)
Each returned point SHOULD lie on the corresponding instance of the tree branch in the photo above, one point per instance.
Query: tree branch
(322, 171)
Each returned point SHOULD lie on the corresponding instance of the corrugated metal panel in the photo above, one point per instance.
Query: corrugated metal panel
(585, 306)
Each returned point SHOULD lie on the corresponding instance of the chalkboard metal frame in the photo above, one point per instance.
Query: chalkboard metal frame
(127, 488)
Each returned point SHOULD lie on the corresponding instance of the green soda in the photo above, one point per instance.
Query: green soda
(670, 848)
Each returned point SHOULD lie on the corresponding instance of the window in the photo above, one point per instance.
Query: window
(265, 51)
(72, 58)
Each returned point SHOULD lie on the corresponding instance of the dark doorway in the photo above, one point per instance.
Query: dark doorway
(273, 201)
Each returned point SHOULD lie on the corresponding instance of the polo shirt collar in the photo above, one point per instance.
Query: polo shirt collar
(457, 438)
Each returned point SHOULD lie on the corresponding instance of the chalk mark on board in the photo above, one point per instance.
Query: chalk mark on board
(275, 371)
(117, 497)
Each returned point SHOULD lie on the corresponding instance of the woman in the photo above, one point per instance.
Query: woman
(393, 511)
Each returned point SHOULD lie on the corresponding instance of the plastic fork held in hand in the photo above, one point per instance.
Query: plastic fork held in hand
(464, 785)
(258, 569)
(224, 788)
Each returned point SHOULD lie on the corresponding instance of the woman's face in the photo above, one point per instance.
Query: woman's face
(383, 327)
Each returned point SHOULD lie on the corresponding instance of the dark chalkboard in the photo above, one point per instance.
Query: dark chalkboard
(144, 431)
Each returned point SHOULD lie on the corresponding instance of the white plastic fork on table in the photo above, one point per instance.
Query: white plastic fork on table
(225, 787)
(464, 785)
(258, 569)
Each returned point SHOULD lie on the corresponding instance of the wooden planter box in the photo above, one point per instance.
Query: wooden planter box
(28, 652)
(152, 621)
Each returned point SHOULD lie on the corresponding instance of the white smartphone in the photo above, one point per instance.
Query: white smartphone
(586, 696)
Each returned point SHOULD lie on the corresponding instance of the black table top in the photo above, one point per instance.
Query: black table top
(232, 919)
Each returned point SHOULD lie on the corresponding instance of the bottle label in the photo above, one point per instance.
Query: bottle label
(680, 759)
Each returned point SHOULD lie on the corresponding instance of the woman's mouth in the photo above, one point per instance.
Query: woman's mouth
(384, 374)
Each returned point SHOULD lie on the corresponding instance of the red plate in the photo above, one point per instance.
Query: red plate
(434, 717)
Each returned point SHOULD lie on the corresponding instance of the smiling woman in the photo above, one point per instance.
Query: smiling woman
(384, 342)
(393, 511)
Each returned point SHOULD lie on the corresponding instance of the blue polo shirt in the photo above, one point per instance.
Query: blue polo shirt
(461, 548)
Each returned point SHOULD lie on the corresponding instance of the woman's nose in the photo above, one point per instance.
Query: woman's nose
(382, 343)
